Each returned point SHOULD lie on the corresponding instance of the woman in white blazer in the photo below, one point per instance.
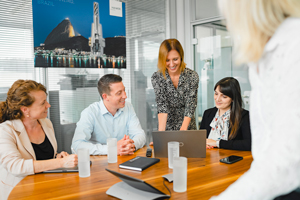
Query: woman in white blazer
(27, 140)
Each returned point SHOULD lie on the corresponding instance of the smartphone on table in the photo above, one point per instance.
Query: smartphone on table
(231, 159)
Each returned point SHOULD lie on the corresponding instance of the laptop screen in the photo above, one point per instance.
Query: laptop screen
(192, 143)
(136, 183)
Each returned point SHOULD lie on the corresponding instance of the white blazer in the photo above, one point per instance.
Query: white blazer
(17, 154)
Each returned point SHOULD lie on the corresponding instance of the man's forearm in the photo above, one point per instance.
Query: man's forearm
(139, 140)
(94, 149)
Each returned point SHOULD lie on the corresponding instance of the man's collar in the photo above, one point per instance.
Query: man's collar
(120, 110)
(105, 111)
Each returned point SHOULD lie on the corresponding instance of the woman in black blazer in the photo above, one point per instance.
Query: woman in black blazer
(227, 124)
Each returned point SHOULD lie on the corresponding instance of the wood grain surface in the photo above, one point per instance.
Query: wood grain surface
(206, 177)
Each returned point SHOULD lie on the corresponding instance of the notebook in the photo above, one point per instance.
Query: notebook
(139, 163)
(62, 170)
(192, 143)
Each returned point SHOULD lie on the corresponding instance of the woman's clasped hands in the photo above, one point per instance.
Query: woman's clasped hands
(67, 161)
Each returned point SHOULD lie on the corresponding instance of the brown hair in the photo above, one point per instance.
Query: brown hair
(17, 96)
(165, 47)
(105, 82)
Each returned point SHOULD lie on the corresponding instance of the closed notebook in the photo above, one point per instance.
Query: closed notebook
(139, 163)
(62, 170)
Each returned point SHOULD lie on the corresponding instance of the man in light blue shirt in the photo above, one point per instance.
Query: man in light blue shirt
(110, 118)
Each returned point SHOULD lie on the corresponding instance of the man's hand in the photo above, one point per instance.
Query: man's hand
(125, 146)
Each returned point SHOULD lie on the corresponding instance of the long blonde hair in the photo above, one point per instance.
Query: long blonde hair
(165, 47)
(253, 22)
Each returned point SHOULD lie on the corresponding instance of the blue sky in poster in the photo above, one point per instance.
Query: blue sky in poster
(48, 14)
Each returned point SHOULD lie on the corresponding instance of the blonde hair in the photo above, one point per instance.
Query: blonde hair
(253, 22)
(165, 47)
(17, 96)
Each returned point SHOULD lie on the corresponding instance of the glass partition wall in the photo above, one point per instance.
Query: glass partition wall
(213, 61)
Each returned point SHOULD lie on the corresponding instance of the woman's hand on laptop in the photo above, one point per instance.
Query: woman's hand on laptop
(210, 144)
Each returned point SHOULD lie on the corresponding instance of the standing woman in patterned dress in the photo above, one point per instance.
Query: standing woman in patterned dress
(175, 89)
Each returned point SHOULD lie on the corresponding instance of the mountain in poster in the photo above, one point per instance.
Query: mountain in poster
(62, 32)
(64, 36)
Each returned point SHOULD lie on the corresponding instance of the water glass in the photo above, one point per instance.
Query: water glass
(180, 174)
(173, 151)
(84, 162)
(112, 150)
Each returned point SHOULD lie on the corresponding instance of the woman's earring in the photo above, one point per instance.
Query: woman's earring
(27, 115)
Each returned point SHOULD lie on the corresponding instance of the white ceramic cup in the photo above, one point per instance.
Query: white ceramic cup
(173, 151)
(180, 174)
(84, 162)
(112, 150)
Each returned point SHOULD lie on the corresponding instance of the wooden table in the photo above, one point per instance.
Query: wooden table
(206, 177)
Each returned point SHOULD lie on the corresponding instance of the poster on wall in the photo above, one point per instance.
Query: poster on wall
(79, 33)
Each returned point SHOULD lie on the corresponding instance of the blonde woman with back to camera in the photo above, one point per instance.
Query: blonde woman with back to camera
(27, 140)
(266, 35)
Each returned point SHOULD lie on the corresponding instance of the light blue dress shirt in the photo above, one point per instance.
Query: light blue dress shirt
(96, 124)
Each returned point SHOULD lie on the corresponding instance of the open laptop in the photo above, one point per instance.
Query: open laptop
(192, 143)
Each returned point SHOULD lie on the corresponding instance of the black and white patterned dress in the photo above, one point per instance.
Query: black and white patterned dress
(177, 103)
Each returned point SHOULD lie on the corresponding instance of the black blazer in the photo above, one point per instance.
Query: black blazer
(242, 141)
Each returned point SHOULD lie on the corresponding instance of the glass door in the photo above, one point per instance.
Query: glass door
(213, 61)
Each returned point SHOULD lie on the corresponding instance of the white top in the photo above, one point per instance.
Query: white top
(220, 126)
(274, 117)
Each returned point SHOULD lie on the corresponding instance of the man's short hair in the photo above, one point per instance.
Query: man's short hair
(105, 81)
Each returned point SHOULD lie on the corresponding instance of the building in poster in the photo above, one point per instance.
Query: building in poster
(97, 40)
